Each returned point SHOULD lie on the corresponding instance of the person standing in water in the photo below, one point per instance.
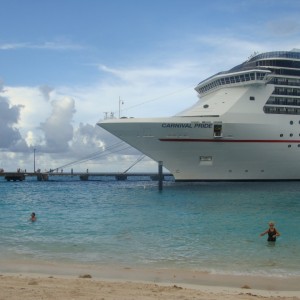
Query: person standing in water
(272, 232)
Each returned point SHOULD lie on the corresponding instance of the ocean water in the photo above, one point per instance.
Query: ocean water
(211, 227)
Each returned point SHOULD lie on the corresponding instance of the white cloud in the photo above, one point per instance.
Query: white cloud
(141, 89)
(166, 72)
(51, 45)
(12, 46)
(34, 109)
(58, 130)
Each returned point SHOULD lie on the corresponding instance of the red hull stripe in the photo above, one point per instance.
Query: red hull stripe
(228, 141)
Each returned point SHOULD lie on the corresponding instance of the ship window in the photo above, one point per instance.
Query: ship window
(282, 101)
(205, 106)
(282, 110)
(289, 146)
(281, 135)
(298, 145)
(291, 122)
(291, 134)
(217, 130)
(252, 98)
(205, 160)
(258, 76)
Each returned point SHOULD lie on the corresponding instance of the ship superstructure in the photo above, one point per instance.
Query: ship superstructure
(245, 126)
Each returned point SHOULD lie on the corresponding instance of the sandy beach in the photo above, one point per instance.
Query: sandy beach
(27, 280)
(15, 287)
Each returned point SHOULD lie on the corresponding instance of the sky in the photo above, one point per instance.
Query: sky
(64, 64)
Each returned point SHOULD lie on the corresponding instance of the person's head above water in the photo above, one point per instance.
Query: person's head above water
(33, 217)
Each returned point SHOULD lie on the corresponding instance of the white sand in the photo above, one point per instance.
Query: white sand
(37, 287)
(41, 280)
(32, 279)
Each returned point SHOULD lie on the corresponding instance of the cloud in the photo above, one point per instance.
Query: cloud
(50, 127)
(34, 110)
(93, 141)
(142, 88)
(87, 139)
(151, 74)
(58, 129)
(286, 27)
(12, 46)
(45, 91)
(10, 137)
(60, 45)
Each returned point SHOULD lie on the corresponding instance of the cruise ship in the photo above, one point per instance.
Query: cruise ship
(244, 126)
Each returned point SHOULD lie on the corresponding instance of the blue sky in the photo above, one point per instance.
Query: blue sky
(63, 63)
(60, 42)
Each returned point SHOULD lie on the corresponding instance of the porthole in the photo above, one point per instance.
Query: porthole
(289, 146)
(291, 122)
(298, 145)
(205, 106)
(281, 135)
(291, 134)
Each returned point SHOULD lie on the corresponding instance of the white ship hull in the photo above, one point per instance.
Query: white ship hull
(246, 152)
(226, 136)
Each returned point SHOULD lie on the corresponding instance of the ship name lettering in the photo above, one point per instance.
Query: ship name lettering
(203, 125)
(186, 125)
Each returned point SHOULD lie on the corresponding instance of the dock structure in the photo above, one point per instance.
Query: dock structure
(45, 176)
(14, 176)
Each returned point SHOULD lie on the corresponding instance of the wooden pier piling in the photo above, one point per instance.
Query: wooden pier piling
(42, 177)
(15, 177)
(83, 177)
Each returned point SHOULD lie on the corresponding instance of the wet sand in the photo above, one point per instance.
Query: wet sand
(41, 280)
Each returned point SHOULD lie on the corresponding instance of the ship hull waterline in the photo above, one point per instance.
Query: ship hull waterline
(193, 153)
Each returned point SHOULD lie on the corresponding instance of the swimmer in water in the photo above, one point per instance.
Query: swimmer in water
(32, 217)
(272, 232)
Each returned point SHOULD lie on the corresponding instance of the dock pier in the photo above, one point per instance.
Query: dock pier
(14, 176)
(46, 176)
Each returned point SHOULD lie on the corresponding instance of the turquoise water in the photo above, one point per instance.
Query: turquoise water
(210, 227)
